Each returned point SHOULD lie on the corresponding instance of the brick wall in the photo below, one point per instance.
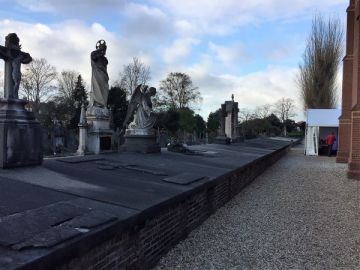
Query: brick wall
(142, 246)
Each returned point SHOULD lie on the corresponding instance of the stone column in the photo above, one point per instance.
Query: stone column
(82, 132)
(222, 120)
(354, 157)
(344, 136)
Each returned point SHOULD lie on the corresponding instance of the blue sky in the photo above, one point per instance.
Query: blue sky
(251, 48)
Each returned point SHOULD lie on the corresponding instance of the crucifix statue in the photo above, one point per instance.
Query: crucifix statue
(13, 57)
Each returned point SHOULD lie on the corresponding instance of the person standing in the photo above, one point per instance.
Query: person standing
(330, 140)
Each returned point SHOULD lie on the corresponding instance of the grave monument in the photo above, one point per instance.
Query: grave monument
(98, 115)
(228, 129)
(140, 136)
(20, 132)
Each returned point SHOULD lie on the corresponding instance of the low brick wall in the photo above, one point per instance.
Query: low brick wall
(141, 245)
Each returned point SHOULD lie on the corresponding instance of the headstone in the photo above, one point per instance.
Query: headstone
(59, 137)
(20, 132)
(140, 135)
(99, 137)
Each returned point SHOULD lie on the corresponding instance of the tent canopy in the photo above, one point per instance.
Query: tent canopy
(323, 117)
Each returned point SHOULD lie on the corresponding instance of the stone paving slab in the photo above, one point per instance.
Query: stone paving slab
(16, 196)
(184, 178)
(21, 226)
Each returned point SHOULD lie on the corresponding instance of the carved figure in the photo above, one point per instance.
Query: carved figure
(99, 79)
(13, 57)
(140, 106)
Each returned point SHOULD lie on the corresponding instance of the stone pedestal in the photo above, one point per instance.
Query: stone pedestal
(141, 141)
(222, 139)
(99, 135)
(82, 140)
(20, 135)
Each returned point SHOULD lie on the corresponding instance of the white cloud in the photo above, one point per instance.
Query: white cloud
(255, 89)
(144, 23)
(71, 7)
(179, 49)
(223, 17)
(68, 45)
(228, 54)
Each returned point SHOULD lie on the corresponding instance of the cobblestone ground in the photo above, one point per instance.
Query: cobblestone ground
(302, 213)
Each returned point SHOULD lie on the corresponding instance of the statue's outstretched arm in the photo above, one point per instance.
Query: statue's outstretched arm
(26, 58)
(4, 52)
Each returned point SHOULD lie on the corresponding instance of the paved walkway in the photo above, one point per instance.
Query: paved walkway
(303, 213)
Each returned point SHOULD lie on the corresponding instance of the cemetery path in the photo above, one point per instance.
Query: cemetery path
(302, 213)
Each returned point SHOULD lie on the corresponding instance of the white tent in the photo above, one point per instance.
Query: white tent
(319, 123)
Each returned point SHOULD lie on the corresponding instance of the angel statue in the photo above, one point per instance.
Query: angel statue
(140, 106)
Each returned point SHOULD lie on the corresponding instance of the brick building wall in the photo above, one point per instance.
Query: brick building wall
(349, 126)
(345, 118)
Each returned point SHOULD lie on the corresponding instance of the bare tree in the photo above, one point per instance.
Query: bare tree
(177, 91)
(245, 115)
(66, 84)
(317, 76)
(134, 74)
(284, 109)
(37, 82)
(263, 111)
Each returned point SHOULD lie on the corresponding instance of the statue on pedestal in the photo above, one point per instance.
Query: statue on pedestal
(99, 80)
(140, 133)
(99, 134)
(20, 132)
(140, 107)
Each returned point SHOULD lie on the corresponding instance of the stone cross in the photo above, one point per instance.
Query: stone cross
(13, 56)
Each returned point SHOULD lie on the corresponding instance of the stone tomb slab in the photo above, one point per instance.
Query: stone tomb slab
(17, 196)
(80, 159)
(185, 178)
(21, 226)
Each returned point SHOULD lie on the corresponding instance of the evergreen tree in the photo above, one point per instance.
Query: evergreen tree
(79, 97)
(213, 121)
(118, 104)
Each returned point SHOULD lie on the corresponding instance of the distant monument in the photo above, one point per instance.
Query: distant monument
(97, 115)
(228, 129)
(140, 135)
(20, 132)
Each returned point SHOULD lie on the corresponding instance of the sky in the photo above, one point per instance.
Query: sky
(249, 48)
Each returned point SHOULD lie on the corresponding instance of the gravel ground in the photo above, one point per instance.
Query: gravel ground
(302, 213)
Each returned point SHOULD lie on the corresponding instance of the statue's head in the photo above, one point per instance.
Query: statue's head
(101, 44)
(12, 41)
(152, 91)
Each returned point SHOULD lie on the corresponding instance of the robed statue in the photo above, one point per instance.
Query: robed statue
(99, 78)
(140, 106)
